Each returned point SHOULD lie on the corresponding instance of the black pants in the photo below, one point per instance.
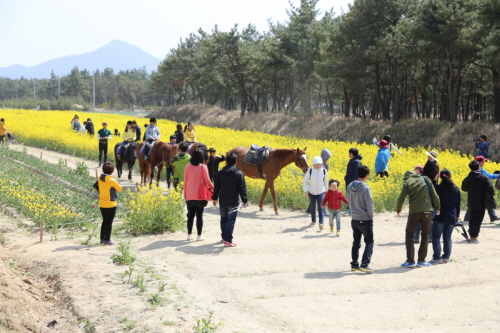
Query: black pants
(2, 139)
(103, 148)
(169, 175)
(362, 229)
(476, 219)
(108, 215)
(383, 174)
(195, 208)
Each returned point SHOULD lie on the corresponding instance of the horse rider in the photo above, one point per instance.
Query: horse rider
(152, 135)
(128, 137)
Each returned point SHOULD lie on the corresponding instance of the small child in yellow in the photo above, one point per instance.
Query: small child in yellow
(107, 187)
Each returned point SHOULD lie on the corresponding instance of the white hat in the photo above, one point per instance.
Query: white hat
(433, 154)
(317, 160)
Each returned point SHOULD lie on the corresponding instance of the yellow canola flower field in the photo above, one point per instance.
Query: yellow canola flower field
(51, 130)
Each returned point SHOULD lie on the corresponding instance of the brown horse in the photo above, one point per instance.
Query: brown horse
(278, 159)
(157, 157)
(174, 150)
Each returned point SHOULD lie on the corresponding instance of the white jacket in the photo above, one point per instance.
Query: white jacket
(317, 179)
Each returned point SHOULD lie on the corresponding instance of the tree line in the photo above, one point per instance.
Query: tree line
(383, 59)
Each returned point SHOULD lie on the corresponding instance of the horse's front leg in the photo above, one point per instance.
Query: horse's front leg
(130, 167)
(261, 202)
(160, 167)
(273, 194)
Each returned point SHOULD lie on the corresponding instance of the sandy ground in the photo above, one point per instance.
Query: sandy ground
(282, 277)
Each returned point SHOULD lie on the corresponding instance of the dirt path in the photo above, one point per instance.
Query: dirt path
(282, 277)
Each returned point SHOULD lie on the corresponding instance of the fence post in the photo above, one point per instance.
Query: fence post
(66, 162)
(96, 174)
(40, 155)
(42, 226)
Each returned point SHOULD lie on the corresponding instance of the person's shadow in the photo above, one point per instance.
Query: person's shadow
(192, 247)
(341, 274)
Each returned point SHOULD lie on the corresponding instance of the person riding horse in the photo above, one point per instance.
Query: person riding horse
(152, 135)
(128, 136)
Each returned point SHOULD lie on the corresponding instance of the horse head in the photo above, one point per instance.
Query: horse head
(301, 159)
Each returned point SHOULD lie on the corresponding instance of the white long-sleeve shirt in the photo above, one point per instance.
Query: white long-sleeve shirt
(317, 179)
(152, 132)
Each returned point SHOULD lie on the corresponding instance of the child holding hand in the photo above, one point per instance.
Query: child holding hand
(334, 197)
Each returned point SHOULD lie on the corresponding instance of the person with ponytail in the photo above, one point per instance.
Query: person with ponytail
(444, 223)
(189, 133)
(128, 136)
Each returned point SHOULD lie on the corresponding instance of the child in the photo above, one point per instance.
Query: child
(116, 132)
(334, 198)
(107, 187)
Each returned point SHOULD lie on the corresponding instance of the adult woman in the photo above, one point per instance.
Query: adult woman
(3, 131)
(179, 134)
(72, 126)
(128, 136)
(195, 179)
(77, 124)
(317, 177)
(189, 132)
(443, 224)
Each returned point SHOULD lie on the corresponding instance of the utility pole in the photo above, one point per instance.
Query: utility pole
(58, 87)
(17, 88)
(34, 88)
(93, 91)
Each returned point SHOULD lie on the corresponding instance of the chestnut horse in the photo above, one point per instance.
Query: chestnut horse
(278, 159)
(157, 157)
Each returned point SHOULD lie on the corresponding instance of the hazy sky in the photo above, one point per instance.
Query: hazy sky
(34, 31)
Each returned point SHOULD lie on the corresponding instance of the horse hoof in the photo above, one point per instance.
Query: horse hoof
(277, 214)
(261, 210)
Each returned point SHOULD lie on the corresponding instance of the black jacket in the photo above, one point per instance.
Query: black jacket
(477, 185)
(179, 137)
(89, 126)
(229, 186)
(213, 165)
(352, 169)
(138, 133)
(449, 204)
(431, 170)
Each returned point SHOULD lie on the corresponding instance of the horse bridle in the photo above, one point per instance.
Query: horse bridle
(299, 155)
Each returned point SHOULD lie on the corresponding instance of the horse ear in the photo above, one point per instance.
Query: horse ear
(298, 150)
(305, 149)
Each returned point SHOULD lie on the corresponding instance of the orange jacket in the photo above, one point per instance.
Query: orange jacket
(3, 129)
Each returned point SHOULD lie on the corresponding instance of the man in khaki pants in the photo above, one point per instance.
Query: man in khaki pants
(422, 196)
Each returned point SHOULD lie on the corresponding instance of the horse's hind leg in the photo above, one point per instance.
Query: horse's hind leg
(151, 176)
(273, 194)
(261, 202)
(160, 167)
(130, 167)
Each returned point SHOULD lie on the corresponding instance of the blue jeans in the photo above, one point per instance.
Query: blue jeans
(491, 213)
(438, 229)
(227, 221)
(365, 229)
(315, 201)
(335, 214)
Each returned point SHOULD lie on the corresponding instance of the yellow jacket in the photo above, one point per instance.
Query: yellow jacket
(107, 187)
(129, 135)
(3, 129)
(190, 135)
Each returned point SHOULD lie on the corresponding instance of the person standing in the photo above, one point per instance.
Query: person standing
(179, 134)
(152, 136)
(3, 131)
(89, 126)
(382, 160)
(107, 187)
(360, 200)
(352, 166)
(315, 184)
(179, 163)
(422, 198)
(137, 131)
(334, 197)
(483, 146)
(477, 186)
(444, 223)
(103, 135)
(213, 163)
(170, 172)
(189, 133)
(229, 187)
(431, 167)
(196, 174)
(325, 155)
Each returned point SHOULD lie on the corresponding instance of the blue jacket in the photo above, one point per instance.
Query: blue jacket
(450, 204)
(352, 169)
(483, 147)
(489, 175)
(382, 159)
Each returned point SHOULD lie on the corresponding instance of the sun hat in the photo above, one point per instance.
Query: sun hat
(382, 143)
(433, 154)
(480, 159)
(317, 160)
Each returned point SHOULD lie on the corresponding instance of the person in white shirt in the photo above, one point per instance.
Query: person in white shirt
(315, 185)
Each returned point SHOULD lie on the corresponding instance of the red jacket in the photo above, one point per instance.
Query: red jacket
(333, 198)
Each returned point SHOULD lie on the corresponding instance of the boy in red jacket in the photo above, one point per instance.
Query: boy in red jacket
(334, 198)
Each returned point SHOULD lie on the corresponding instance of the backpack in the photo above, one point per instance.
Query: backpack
(311, 171)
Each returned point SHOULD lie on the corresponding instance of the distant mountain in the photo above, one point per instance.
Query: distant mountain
(117, 55)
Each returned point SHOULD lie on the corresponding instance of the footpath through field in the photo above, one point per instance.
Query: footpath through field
(282, 277)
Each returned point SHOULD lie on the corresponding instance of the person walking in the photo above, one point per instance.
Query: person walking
(445, 222)
(477, 186)
(89, 126)
(229, 187)
(189, 132)
(170, 172)
(483, 146)
(179, 134)
(352, 170)
(382, 160)
(334, 197)
(491, 212)
(360, 199)
(137, 131)
(107, 187)
(213, 163)
(422, 201)
(195, 176)
(315, 184)
(179, 163)
(3, 131)
(103, 135)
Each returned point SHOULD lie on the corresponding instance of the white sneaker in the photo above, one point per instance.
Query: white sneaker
(190, 237)
(200, 238)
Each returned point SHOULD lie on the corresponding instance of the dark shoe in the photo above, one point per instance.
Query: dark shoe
(368, 270)
(108, 242)
(99, 165)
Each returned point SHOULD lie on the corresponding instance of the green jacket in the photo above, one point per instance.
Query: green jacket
(179, 162)
(416, 189)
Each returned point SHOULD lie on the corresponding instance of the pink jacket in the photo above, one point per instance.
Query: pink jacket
(194, 175)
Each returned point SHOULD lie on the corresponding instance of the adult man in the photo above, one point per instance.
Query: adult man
(476, 185)
(152, 135)
(422, 196)
(229, 186)
(382, 160)
(359, 196)
(137, 131)
(103, 135)
(491, 212)
(483, 146)
(213, 163)
(179, 163)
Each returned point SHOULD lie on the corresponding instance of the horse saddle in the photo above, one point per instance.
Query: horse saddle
(257, 156)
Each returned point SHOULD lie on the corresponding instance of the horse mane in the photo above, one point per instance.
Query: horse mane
(282, 153)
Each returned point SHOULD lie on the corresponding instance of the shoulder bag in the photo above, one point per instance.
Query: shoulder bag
(204, 192)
